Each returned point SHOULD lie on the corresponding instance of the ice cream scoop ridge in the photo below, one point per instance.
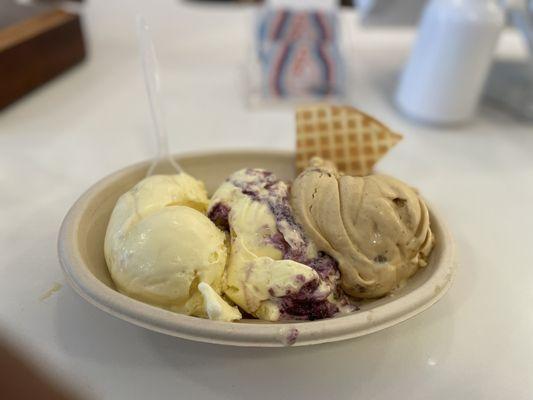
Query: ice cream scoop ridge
(376, 227)
(274, 272)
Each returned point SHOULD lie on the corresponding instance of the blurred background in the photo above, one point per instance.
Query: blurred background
(49, 37)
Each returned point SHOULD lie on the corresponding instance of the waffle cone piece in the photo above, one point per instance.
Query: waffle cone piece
(351, 139)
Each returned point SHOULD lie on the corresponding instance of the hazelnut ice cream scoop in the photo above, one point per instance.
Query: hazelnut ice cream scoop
(376, 227)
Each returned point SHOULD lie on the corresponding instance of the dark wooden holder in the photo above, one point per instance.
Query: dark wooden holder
(35, 49)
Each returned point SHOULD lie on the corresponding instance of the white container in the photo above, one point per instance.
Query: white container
(444, 76)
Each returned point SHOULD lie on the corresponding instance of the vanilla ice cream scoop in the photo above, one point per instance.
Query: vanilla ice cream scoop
(376, 227)
(273, 271)
(160, 246)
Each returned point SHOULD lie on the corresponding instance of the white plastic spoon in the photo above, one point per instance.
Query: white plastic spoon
(163, 162)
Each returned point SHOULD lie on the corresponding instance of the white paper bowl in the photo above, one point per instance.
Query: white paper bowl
(81, 254)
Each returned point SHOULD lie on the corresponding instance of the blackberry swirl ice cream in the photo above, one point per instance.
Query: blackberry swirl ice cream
(274, 272)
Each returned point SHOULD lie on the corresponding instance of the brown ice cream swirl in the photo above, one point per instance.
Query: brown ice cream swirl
(376, 227)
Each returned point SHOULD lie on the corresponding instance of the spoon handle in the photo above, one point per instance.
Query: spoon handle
(153, 91)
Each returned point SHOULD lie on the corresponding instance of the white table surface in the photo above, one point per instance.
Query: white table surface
(476, 343)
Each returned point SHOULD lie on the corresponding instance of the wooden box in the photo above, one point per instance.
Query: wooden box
(36, 44)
